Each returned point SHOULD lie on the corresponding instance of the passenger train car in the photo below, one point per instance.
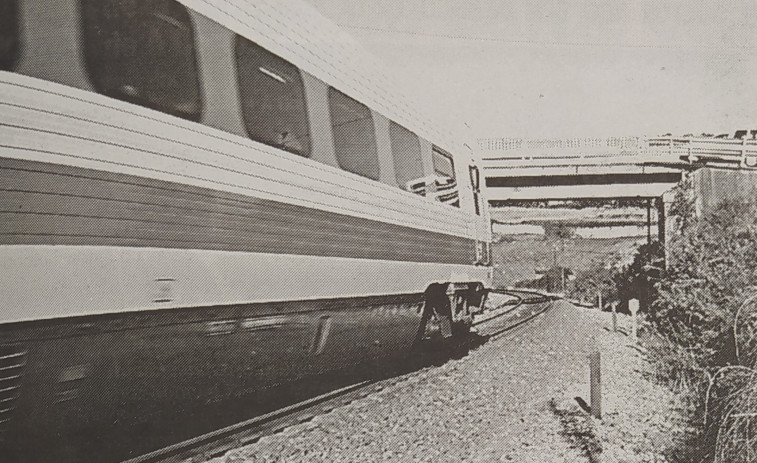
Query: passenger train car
(200, 199)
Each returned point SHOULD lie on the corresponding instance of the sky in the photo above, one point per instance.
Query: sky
(569, 68)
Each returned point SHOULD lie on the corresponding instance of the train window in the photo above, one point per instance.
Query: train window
(142, 51)
(443, 164)
(9, 34)
(408, 164)
(444, 170)
(354, 135)
(273, 99)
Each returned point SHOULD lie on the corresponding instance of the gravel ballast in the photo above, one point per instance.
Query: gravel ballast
(495, 404)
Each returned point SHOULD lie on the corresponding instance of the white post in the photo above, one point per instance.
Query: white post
(633, 307)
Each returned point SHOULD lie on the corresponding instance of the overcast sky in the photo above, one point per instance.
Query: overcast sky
(567, 68)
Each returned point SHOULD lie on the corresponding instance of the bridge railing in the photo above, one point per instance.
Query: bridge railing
(512, 152)
(559, 147)
(693, 150)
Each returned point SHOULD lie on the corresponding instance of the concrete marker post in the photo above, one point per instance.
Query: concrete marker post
(614, 317)
(595, 379)
(633, 307)
(599, 298)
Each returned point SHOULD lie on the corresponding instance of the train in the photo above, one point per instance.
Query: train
(202, 199)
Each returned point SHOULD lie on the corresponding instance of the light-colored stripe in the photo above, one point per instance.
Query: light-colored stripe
(44, 282)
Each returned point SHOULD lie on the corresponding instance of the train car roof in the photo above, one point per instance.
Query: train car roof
(296, 31)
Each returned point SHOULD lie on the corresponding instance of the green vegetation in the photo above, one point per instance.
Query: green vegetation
(524, 260)
(706, 324)
(701, 321)
(599, 278)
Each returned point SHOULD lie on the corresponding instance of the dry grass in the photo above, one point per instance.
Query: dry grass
(727, 396)
(732, 412)
(736, 440)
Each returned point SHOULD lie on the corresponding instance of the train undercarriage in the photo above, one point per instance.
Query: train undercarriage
(84, 378)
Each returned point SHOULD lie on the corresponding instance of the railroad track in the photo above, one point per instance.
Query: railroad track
(217, 443)
(537, 304)
(512, 313)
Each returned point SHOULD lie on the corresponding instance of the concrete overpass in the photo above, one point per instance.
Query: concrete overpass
(602, 168)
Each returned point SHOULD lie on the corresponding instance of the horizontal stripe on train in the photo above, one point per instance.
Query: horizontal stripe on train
(43, 203)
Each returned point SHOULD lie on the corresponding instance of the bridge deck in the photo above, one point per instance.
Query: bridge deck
(518, 169)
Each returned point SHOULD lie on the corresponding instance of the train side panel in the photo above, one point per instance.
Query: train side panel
(167, 239)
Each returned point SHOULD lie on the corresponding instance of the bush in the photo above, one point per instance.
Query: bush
(551, 281)
(731, 414)
(700, 299)
(619, 284)
(712, 272)
(637, 280)
(700, 307)
(598, 278)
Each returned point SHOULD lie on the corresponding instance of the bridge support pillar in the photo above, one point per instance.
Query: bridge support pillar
(661, 217)
(663, 228)
(649, 221)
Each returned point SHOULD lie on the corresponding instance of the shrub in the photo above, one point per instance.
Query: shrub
(701, 307)
(712, 271)
(598, 278)
(619, 284)
(637, 280)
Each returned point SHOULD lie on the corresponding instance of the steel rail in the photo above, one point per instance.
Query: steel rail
(541, 298)
(217, 442)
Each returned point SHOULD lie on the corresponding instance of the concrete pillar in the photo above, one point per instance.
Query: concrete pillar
(665, 222)
(712, 186)
(661, 218)
(649, 221)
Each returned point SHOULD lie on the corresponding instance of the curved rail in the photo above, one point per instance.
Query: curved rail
(524, 297)
(216, 443)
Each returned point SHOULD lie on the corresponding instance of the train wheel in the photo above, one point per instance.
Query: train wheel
(459, 343)
(439, 338)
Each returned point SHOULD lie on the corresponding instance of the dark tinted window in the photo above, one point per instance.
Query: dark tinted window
(446, 185)
(354, 135)
(406, 149)
(443, 163)
(9, 33)
(273, 99)
(142, 51)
